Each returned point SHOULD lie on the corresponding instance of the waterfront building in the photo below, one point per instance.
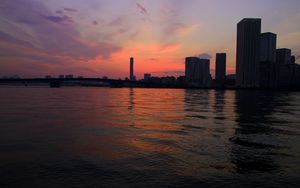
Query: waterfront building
(197, 72)
(220, 72)
(131, 76)
(286, 68)
(268, 70)
(283, 56)
(268, 42)
(248, 52)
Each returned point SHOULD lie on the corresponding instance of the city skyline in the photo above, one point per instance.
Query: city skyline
(62, 37)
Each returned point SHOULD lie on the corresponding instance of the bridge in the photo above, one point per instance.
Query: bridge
(97, 82)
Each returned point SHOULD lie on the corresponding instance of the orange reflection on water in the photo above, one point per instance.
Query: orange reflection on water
(131, 122)
(154, 119)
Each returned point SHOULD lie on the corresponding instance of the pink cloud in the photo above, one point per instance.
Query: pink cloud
(54, 38)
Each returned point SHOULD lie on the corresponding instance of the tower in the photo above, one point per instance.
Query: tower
(220, 67)
(268, 47)
(248, 52)
(268, 70)
(131, 76)
(197, 72)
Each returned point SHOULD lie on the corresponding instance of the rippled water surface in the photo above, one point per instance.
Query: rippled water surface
(101, 137)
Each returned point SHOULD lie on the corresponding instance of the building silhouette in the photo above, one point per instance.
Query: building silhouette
(248, 52)
(69, 76)
(197, 72)
(220, 72)
(192, 70)
(268, 77)
(283, 56)
(286, 67)
(147, 76)
(268, 43)
(296, 70)
(131, 76)
(259, 63)
(293, 59)
(297, 76)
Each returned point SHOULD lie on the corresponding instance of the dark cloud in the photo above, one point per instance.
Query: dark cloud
(205, 56)
(49, 39)
(59, 19)
(142, 9)
(70, 10)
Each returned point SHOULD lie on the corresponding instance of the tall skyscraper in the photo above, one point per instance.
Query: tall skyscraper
(268, 69)
(268, 47)
(286, 68)
(206, 72)
(268, 74)
(220, 67)
(132, 77)
(296, 79)
(192, 70)
(248, 52)
(197, 71)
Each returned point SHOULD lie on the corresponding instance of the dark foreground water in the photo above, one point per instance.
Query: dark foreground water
(101, 137)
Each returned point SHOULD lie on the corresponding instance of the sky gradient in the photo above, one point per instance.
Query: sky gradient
(96, 38)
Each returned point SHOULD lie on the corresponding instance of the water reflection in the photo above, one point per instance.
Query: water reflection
(254, 142)
(147, 137)
(131, 99)
(219, 101)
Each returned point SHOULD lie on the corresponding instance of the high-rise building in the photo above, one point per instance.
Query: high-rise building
(296, 79)
(206, 72)
(286, 68)
(268, 47)
(131, 76)
(268, 75)
(192, 71)
(220, 67)
(197, 71)
(268, 71)
(248, 52)
(283, 56)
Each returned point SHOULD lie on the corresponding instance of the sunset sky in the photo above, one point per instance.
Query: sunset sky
(96, 38)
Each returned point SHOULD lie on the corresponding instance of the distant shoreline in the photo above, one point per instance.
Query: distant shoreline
(109, 83)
